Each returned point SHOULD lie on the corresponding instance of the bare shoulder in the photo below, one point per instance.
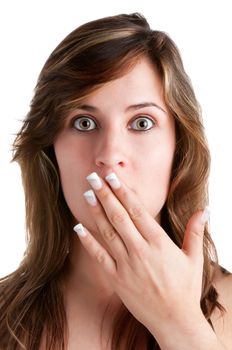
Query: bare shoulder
(222, 322)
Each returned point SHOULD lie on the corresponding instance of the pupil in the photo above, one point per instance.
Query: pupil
(142, 123)
(85, 123)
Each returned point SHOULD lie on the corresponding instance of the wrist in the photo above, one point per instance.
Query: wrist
(192, 334)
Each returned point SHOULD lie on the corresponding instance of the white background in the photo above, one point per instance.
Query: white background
(30, 30)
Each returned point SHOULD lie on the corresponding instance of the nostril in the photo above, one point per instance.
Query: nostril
(110, 163)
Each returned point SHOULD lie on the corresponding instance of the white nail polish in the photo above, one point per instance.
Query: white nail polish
(79, 229)
(90, 197)
(94, 180)
(113, 180)
(205, 215)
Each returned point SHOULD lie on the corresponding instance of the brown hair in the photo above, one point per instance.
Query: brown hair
(31, 298)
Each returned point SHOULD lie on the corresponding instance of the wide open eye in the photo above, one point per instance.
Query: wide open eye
(143, 124)
(84, 124)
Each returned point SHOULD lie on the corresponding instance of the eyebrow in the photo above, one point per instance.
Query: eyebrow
(91, 108)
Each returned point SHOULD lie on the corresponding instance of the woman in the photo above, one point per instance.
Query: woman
(113, 148)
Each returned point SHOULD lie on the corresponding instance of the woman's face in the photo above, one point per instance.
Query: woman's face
(123, 127)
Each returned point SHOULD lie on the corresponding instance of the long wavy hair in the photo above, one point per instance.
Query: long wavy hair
(31, 298)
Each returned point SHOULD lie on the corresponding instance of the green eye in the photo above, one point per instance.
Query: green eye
(143, 124)
(84, 124)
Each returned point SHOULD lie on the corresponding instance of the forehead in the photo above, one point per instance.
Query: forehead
(141, 83)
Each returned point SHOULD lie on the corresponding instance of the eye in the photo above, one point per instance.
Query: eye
(143, 123)
(84, 123)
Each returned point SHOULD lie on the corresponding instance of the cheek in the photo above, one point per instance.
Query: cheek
(70, 159)
(72, 169)
(157, 174)
(155, 177)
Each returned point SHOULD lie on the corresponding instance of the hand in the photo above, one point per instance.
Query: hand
(159, 283)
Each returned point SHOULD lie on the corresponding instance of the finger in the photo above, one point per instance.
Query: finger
(95, 250)
(194, 234)
(107, 231)
(146, 225)
(116, 214)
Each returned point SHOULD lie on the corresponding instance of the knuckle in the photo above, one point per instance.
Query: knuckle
(103, 193)
(117, 218)
(109, 233)
(124, 194)
(100, 256)
(136, 212)
(139, 250)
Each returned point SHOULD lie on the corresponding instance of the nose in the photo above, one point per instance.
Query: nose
(110, 152)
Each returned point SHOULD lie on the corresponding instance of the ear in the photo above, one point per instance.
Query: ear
(194, 234)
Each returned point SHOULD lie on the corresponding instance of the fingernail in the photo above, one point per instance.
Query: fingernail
(90, 197)
(113, 180)
(79, 228)
(94, 180)
(205, 215)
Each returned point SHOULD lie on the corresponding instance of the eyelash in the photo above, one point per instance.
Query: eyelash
(87, 117)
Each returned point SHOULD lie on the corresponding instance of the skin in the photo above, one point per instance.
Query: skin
(115, 145)
(138, 260)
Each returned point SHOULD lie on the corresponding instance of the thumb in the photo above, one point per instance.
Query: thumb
(194, 234)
